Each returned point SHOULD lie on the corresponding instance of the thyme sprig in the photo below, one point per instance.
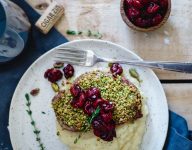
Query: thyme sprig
(94, 115)
(36, 131)
(89, 121)
(88, 33)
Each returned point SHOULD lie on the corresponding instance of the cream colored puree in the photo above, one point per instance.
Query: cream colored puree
(129, 137)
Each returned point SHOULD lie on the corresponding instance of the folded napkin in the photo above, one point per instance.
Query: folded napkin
(178, 138)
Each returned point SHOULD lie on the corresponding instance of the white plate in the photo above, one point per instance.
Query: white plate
(21, 131)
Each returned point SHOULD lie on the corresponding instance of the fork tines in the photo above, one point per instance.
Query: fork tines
(70, 55)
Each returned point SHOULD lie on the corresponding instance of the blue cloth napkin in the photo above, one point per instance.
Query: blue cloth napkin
(178, 137)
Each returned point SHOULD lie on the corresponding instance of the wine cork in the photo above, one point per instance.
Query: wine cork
(50, 17)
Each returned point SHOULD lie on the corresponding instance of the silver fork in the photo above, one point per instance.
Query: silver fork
(89, 58)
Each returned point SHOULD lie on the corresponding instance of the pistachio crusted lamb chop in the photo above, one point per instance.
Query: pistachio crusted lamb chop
(125, 97)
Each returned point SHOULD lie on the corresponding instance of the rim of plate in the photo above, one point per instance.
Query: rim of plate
(87, 40)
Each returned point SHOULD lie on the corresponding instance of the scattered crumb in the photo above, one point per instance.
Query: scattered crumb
(68, 82)
(62, 88)
(35, 92)
(166, 41)
(63, 83)
(146, 35)
(166, 32)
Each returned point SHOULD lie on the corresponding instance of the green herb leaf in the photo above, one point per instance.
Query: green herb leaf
(29, 112)
(43, 112)
(94, 114)
(58, 133)
(33, 122)
(41, 146)
(97, 35)
(28, 103)
(71, 32)
(100, 36)
(89, 121)
(36, 131)
(76, 140)
(27, 96)
(89, 33)
(80, 32)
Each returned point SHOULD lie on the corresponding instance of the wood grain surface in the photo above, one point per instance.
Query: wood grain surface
(171, 42)
(179, 98)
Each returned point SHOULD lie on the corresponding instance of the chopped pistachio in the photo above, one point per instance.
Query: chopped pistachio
(110, 64)
(133, 72)
(124, 96)
(58, 65)
(55, 87)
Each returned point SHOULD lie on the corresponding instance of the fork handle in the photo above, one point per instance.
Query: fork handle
(185, 67)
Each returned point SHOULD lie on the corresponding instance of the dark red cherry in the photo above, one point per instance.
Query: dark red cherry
(164, 4)
(78, 102)
(68, 71)
(107, 117)
(137, 4)
(153, 8)
(88, 108)
(53, 75)
(133, 13)
(107, 106)
(116, 69)
(98, 102)
(75, 90)
(105, 131)
(145, 13)
(93, 93)
(129, 2)
(157, 19)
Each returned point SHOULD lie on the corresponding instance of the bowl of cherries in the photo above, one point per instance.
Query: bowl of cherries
(145, 15)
